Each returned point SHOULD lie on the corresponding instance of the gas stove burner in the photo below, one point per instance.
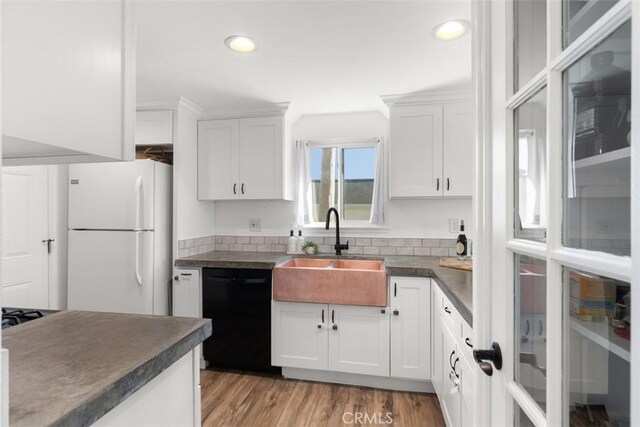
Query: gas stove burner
(13, 317)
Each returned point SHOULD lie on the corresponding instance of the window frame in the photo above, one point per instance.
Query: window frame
(341, 144)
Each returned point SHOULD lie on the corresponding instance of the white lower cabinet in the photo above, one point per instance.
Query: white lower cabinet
(359, 340)
(453, 367)
(186, 295)
(299, 336)
(410, 327)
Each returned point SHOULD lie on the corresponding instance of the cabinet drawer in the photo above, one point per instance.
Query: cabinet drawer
(466, 341)
(451, 317)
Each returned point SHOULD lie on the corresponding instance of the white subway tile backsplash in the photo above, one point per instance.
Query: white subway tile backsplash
(257, 240)
(228, 239)
(271, 240)
(363, 241)
(422, 251)
(379, 242)
(448, 243)
(407, 250)
(388, 250)
(249, 248)
(222, 247)
(243, 240)
(356, 250)
(371, 250)
(430, 243)
(397, 242)
(439, 251)
(414, 242)
(234, 247)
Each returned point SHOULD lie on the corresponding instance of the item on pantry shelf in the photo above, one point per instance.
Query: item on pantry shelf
(299, 242)
(461, 244)
(292, 243)
(310, 248)
(591, 295)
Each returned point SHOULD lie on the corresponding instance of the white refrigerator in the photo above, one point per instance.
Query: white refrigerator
(120, 225)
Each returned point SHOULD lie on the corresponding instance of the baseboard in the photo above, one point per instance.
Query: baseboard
(384, 383)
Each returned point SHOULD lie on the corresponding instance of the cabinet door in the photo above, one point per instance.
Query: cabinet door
(299, 335)
(458, 150)
(450, 398)
(416, 151)
(436, 340)
(261, 158)
(68, 81)
(218, 160)
(359, 340)
(411, 328)
(465, 371)
(154, 127)
(187, 296)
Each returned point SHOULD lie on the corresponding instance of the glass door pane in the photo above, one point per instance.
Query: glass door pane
(579, 15)
(597, 125)
(531, 167)
(531, 327)
(530, 30)
(598, 317)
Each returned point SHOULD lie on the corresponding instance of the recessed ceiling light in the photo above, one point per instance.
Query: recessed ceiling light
(240, 44)
(451, 30)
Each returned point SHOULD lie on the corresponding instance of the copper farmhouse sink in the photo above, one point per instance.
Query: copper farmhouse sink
(330, 281)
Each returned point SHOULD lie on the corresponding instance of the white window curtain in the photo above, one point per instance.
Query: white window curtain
(303, 184)
(377, 202)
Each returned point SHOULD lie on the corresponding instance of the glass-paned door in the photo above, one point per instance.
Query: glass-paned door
(569, 240)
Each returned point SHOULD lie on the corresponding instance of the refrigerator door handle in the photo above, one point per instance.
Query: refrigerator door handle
(138, 201)
(137, 267)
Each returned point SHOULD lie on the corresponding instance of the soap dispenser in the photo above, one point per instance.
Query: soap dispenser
(292, 243)
(299, 242)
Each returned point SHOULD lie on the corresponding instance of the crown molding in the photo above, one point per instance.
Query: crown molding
(263, 110)
(180, 104)
(426, 97)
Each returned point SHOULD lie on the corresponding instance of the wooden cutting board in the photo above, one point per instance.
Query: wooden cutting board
(466, 264)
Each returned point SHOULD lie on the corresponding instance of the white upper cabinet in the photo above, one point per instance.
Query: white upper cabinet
(458, 150)
(246, 158)
(154, 127)
(416, 151)
(68, 83)
(431, 147)
(218, 159)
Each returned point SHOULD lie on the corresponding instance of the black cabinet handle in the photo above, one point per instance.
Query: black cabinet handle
(333, 316)
(448, 184)
(242, 188)
(396, 312)
(528, 328)
(185, 274)
(395, 290)
(446, 309)
(234, 188)
(467, 341)
(438, 184)
(450, 356)
(540, 324)
(454, 367)
(323, 315)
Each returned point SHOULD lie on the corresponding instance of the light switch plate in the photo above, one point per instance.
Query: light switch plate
(454, 225)
(255, 224)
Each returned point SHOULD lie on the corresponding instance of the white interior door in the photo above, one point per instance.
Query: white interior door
(25, 260)
(111, 271)
(112, 196)
(563, 199)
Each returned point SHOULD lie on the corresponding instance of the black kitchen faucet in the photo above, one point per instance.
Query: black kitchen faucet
(339, 247)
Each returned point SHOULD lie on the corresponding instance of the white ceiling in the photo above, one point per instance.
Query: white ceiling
(322, 56)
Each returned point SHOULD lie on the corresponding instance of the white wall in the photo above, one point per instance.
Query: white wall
(192, 218)
(405, 218)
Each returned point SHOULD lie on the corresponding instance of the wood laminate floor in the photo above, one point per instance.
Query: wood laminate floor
(234, 398)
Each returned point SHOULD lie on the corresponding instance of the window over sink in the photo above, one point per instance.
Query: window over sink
(345, 175)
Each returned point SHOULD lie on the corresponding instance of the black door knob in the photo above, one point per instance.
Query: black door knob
(484, 358)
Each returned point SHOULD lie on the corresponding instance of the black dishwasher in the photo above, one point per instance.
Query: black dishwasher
(238, 301)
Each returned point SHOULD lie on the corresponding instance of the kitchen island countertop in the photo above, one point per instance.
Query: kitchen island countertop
(72, 367)
(456, 284)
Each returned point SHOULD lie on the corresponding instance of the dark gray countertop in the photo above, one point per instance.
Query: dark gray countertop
(72, 367)
(456, 284)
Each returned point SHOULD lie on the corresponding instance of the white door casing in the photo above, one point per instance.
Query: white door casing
(25, 260)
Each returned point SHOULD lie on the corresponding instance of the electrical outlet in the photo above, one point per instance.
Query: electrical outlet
(255, 224)
(454, 225)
